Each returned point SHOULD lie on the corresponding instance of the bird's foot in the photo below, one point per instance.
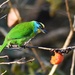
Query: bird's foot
(15, 46)
(9, 46)
(12, 46)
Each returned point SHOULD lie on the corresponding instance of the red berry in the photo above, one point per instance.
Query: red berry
(57, 58)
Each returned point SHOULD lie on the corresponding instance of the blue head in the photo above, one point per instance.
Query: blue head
(39, 27)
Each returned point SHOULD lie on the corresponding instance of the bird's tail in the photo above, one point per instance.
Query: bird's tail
(3, 45)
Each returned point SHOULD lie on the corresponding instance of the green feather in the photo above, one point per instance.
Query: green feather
(19, 34)
(22, 33)
(21, 30)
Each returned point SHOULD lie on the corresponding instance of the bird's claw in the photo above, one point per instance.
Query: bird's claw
(9, 46)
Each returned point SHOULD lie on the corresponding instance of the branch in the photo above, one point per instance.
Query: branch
(72, 66)
(6, 56)
(68, 40)
(3, 16)
(69, 15)
(17, 61)
(3, 31)
(4, 72)
(60, 50)
(38, 58)
(73, 57)
(4, 3)
(1, 6)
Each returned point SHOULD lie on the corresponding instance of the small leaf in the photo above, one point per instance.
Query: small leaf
(12, 17)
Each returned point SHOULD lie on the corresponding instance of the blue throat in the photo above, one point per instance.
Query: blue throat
(36, 26)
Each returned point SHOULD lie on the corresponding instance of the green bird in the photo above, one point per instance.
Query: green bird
(22, 33)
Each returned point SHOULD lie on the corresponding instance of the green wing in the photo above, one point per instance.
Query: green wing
(21, 30)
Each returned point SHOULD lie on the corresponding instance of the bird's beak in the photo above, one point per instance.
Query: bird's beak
(43, 31)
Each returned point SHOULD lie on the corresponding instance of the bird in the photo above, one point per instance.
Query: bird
(22, 33)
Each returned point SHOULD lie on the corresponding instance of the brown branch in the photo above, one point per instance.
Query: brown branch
(1, 6)
(68, 40)
(17, 61)
(72, 66)
(4, 3)
(38, 58)
(69, 15)
(73, 56)
(3, 17)
(6, 56)
(4, 72)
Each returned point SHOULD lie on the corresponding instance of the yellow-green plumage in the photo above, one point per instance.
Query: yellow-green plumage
(21, 33)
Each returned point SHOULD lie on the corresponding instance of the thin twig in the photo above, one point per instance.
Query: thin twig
(73, 57)
(6, 56)
(60, 50)
(68, 13)
(3, 31)
(68, 40)
(21, 59)
(38, 58)
(17, 61)
(74, 23)
(4, 3)
(4, 72)
(72, 66)
(3, 16)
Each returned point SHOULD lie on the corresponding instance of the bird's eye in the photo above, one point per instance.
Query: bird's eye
(41, 25)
